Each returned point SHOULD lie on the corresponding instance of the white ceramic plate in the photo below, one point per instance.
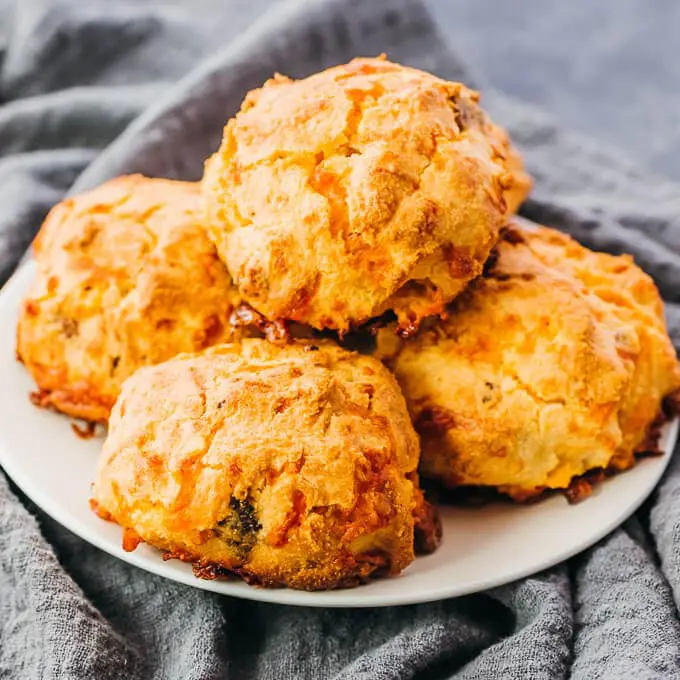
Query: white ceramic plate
(482, 547)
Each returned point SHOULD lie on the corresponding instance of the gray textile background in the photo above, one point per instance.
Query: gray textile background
(73, 75)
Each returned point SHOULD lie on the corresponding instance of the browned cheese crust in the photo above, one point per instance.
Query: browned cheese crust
(287, 465)
(521, 183)
(126, 276)
(634, 299)
(364, 188)
(553, 364)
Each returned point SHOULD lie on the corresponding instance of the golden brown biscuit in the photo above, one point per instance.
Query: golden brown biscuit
(126, 277)
(554, 363)
(288, 465)
(633, 297)
(364, 188)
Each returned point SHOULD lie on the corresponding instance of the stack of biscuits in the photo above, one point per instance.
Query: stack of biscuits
(209, 327)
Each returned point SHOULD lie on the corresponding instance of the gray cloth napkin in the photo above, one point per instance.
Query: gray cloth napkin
(88, 93)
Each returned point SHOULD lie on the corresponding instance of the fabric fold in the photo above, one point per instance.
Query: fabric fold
(626, 623)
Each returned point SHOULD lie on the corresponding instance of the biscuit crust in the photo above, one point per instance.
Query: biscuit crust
(365, 188)
(634, 298)
(126, 277)
(287, 465)
(553, 364)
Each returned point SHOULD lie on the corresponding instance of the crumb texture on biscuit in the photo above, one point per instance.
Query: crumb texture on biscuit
(367, 187)
(634, 299)
(126, 276)
(554, 363)
(287, 465)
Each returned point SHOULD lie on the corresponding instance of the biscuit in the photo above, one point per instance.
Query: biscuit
(287, 465)
(554, 363)
(634, 299)
(365, 188)
(126, 276)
